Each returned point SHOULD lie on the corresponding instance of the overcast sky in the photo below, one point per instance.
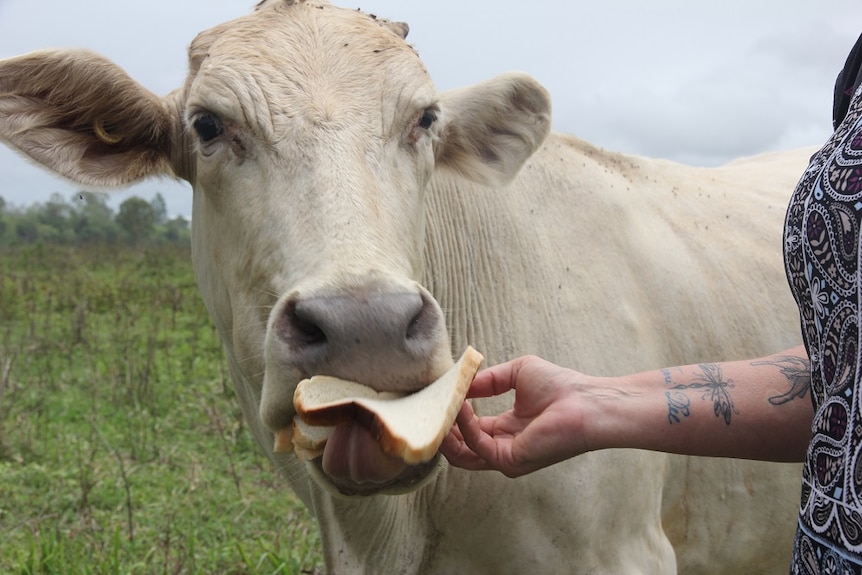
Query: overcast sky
(697, 82)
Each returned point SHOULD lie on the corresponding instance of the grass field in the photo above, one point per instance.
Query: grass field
(122, 449)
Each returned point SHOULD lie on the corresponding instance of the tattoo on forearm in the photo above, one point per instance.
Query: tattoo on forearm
(797, 370)
(677, 406)
(668, 380)
(715, 388)
(718, 389)
(678, 403)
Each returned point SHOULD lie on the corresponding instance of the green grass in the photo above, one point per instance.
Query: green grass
(122, 449)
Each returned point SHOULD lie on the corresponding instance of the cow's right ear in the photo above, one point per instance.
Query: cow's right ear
(492, 128)
(81, 116)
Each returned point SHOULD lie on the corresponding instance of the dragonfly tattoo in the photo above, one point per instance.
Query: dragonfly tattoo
(715, 388)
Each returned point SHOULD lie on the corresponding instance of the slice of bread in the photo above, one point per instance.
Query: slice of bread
(306, 441)
(309, 440)
(411, 427)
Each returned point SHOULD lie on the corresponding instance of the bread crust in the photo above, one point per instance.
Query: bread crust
(382, 414)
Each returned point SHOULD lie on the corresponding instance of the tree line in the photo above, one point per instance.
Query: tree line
(87, 218)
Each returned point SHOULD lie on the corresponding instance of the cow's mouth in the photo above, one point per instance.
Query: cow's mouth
(354, 464)
(413, 477)
(367, 441)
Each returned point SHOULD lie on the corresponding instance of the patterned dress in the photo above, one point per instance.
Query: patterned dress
(822, 251)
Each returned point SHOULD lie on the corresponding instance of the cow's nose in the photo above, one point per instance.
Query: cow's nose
(384, 340)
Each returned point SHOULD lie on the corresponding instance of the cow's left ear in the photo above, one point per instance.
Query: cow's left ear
(492, 128)
(81, 116)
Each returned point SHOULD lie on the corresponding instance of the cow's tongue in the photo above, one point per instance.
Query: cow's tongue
(351, 454)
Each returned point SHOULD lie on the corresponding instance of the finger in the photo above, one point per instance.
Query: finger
(465, 414)
(488, 424)
(494, 380)
(456, 431)
(476, 438)
(459, 455)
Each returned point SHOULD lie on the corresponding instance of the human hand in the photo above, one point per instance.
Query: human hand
(541, 429)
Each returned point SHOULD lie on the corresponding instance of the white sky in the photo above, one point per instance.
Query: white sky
(697, 82)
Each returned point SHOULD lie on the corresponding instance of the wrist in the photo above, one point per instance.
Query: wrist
(610, 411)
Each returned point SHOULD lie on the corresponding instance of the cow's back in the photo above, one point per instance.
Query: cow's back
(613, 264)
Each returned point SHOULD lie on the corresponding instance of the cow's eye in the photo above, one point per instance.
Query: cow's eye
(427, 119)
(208, 127)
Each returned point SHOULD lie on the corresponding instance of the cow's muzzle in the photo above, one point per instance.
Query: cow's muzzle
(384, 340)
(388, 339)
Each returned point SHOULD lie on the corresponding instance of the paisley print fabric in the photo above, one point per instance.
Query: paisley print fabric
(822, 259)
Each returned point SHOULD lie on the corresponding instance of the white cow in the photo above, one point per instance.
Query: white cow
(337, 229)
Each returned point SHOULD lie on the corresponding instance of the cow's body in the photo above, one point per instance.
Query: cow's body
(310, 135)
(616, 264)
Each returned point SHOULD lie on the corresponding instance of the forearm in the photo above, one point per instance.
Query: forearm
(754, 409)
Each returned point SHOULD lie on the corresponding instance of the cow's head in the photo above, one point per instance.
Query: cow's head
(309, 134)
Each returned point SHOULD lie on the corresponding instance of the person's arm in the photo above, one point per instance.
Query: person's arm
(754, 409)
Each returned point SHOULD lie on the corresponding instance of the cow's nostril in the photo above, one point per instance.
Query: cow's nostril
(308, 333)
(300, 329)
(424, 323)
(379, 338)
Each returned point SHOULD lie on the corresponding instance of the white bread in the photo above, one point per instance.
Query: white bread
(305, 440)
(309, 441)
(411, 427)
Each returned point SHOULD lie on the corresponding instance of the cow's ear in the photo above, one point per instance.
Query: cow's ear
(84, 118)
(492, 128)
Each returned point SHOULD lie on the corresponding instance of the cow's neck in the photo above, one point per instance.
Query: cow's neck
(475, 263)
(362, 535)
